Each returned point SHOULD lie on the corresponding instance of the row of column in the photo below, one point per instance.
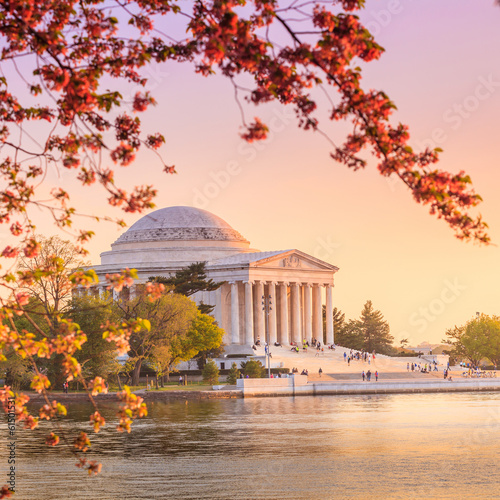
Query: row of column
(303, 323)
(306, 322)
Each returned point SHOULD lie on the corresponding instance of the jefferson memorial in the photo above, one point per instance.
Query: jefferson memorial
(172, 238)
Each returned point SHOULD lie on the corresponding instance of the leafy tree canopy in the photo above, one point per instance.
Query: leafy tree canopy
(370, 332)
(190, 280)
(170, 318)
(233, 375)
(211, 373)
(477, 340)
(46, 277)
(97, 356)
(253, 368)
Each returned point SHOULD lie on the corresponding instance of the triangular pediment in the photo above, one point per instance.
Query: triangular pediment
(293, 259)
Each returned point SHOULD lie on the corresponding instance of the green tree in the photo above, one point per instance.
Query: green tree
(494, 343)
(171, 317)
(53, 265)
(47, 279)
(350, 335)
(40, 325)
(252, 368)
(478, 339)
(370, 332)
(203, 335)
(375, 330)
(160, 362)
(205, 338)
(233, 375)
(211, 373)
(16, 371)
(190, 280)
(97, 356)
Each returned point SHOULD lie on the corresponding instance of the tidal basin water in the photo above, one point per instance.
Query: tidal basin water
(366, 447)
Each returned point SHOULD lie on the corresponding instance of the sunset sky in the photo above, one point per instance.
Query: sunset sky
(442, 69)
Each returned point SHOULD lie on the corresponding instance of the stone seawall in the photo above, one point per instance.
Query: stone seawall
(147, 395)
(191, 395)
(298, 386)
(293, 386)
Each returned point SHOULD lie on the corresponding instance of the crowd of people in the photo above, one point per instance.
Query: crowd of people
(422, 367)
(359, 356)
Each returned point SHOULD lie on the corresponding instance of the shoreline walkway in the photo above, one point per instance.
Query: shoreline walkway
(337, 377)
(299, 386)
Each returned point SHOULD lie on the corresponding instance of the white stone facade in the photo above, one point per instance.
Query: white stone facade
(169, 239)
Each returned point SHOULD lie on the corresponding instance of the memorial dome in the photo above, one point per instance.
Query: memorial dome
(175, 236)
(180, 223)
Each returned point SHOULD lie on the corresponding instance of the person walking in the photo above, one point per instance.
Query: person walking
(408, 367)
(363, 375)
(376, 376)
(368, 375)
(320, 371)
(345, 356)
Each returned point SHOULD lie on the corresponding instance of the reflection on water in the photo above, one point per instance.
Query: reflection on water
(382, 446)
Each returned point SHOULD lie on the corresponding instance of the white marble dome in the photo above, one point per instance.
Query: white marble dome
(180, 223)
(178, 236)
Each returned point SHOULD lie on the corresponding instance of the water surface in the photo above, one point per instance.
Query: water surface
(359, 447)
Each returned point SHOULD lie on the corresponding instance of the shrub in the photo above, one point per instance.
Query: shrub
(280, 370)
(211, 373)
(233, 374)
(253, 368)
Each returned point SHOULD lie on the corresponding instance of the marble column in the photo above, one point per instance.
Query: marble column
(235, 320)
(284, 337)
(296, 317)
(317, 319)
(307, 312)
(248, 313)
(260, 331)
(218, 306)
(329, 315)
(272, 312)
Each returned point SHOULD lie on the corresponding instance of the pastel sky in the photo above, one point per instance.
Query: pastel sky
(442, 69)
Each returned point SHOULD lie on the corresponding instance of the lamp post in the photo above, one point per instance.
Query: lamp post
(267, 307)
